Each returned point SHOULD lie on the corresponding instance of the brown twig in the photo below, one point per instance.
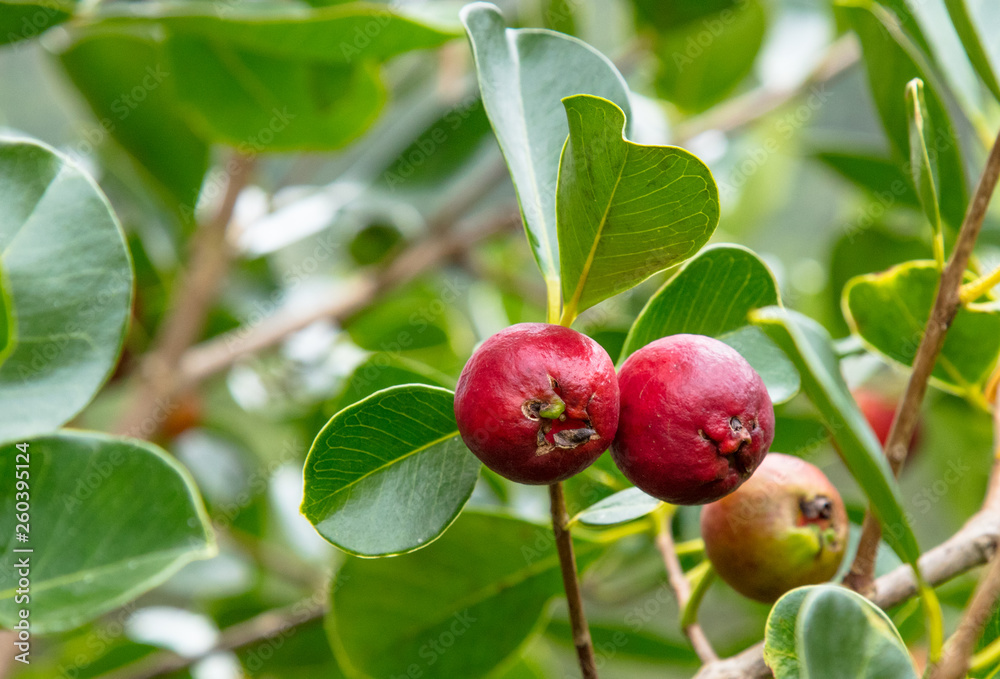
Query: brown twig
(221, 352)
(281, 622)
(571, 583)
(682, 588)
(958, 651)
(740, 111)
(190, 304)
(946, 305)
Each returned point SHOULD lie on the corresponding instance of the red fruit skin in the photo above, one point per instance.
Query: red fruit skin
(760, 541)
(537, 362)
(879, 409)
(676, 439)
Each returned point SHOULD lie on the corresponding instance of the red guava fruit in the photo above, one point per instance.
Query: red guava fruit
(537, 403)
(880, 409)
(695, 422)
(784, 528)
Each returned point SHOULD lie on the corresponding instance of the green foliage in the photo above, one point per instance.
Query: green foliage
(7, 329)
(20, 20)
(893, 61)
(623, 506)
(705, 49)
(389, 474)
(523, 74)
(69, 286)
(713, 295)
(832, 632)
(890, 309)
(977, 49)
(808, 346)
(923, 168)
(128, 517)
(459, 608)
(624, 211)
(881, 176)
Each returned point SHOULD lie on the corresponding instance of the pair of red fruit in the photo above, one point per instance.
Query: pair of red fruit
(688, 421)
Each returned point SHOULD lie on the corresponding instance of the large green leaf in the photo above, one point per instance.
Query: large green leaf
(24, 20)
(712, 295)
(966, 16)
(831, 632)
(124, 77)
(893, 61)
(703, 60)
(69, 284)
(523, 75)
(889, 310)
(264, 103)
(624, 210)
(351, 33)
(389, 474)
(109, 519)
(456, 609)
(809, 347)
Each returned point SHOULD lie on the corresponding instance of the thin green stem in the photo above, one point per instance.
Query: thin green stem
(701, 577)
(977, 288)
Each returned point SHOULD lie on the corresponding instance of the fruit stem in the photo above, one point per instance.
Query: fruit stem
(679, 583)
(571, 583)
(701, 577)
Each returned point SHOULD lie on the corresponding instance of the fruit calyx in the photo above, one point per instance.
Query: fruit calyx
(816, 514)
(555, 428)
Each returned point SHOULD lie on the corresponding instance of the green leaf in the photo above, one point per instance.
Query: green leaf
(7, 328)
(261, 103)
(809, 347)
(624, 210)
(125, 79)
(459, 608)
(975, 48)
(388, 475)
(26, 20)
(523, 75)
(889, 310)
(69, 287)
(923, 168)
(893, 61)
(623, 506)
(110, 519)
(712, 295)
(353, 33)
(826, 631)
(384, 370)
(702, 61)
(882, 176)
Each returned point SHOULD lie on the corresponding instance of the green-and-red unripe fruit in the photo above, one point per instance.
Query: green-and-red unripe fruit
(538, 403)
(784, 528)
(696, 419)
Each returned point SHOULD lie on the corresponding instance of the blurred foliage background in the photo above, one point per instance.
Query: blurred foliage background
(378, 222)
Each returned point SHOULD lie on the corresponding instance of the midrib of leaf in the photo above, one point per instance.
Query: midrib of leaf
(389, 463)
(510, 38)
(78, 576)
(34, 208)
(570, 312)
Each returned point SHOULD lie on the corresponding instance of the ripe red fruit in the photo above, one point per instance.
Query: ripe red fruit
(879, 409)
(537, 403)
(784, 528)
(695, 421)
